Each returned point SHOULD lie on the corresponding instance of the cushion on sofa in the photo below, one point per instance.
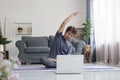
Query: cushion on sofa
(50, 41)
(35, 41)
(37, 49)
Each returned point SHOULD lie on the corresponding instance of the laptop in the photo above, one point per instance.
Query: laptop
(69, 64)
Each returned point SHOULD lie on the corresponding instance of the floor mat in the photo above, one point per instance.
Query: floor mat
(85, 68)
(98, 68)
(33, 67)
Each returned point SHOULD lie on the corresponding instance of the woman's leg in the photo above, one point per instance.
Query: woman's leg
(47, 62)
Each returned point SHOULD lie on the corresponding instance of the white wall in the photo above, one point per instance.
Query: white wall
(45, 16)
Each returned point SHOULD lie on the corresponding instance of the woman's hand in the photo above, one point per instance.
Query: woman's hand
(52, 59)
(75, 13)
(62, 26)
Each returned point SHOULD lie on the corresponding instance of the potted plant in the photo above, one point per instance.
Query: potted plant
(86, 30)
(20, 29)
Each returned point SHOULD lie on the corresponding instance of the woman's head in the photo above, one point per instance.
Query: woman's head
(70, 32)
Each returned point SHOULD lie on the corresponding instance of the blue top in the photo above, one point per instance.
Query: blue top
(60, 46)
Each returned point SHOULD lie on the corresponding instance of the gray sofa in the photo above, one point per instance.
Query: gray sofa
(31, 49)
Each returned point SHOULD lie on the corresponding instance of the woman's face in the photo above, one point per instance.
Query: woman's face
(68, 35)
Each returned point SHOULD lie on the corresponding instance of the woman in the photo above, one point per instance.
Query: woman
(61, 44)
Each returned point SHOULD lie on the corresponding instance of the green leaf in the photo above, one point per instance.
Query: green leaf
(86, 30)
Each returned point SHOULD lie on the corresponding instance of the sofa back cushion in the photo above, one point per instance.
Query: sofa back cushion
(50, 41)
(35, 41)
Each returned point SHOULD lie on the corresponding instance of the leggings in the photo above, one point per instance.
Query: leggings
(46, 62)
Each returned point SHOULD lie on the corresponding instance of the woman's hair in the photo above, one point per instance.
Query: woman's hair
(72, 29)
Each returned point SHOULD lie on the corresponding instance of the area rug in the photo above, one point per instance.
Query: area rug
(85, 68)
(33, 67)
(98, 68)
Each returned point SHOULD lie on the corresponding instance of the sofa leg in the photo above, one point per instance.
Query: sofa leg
(23, 63)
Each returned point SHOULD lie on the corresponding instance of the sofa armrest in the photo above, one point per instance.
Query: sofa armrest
(79, 46)
(20, 45)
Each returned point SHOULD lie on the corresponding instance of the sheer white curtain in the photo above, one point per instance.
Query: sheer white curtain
(106, 20)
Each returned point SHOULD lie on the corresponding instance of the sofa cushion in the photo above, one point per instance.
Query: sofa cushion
(37, 49)
(50, 41)
(35, 41)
